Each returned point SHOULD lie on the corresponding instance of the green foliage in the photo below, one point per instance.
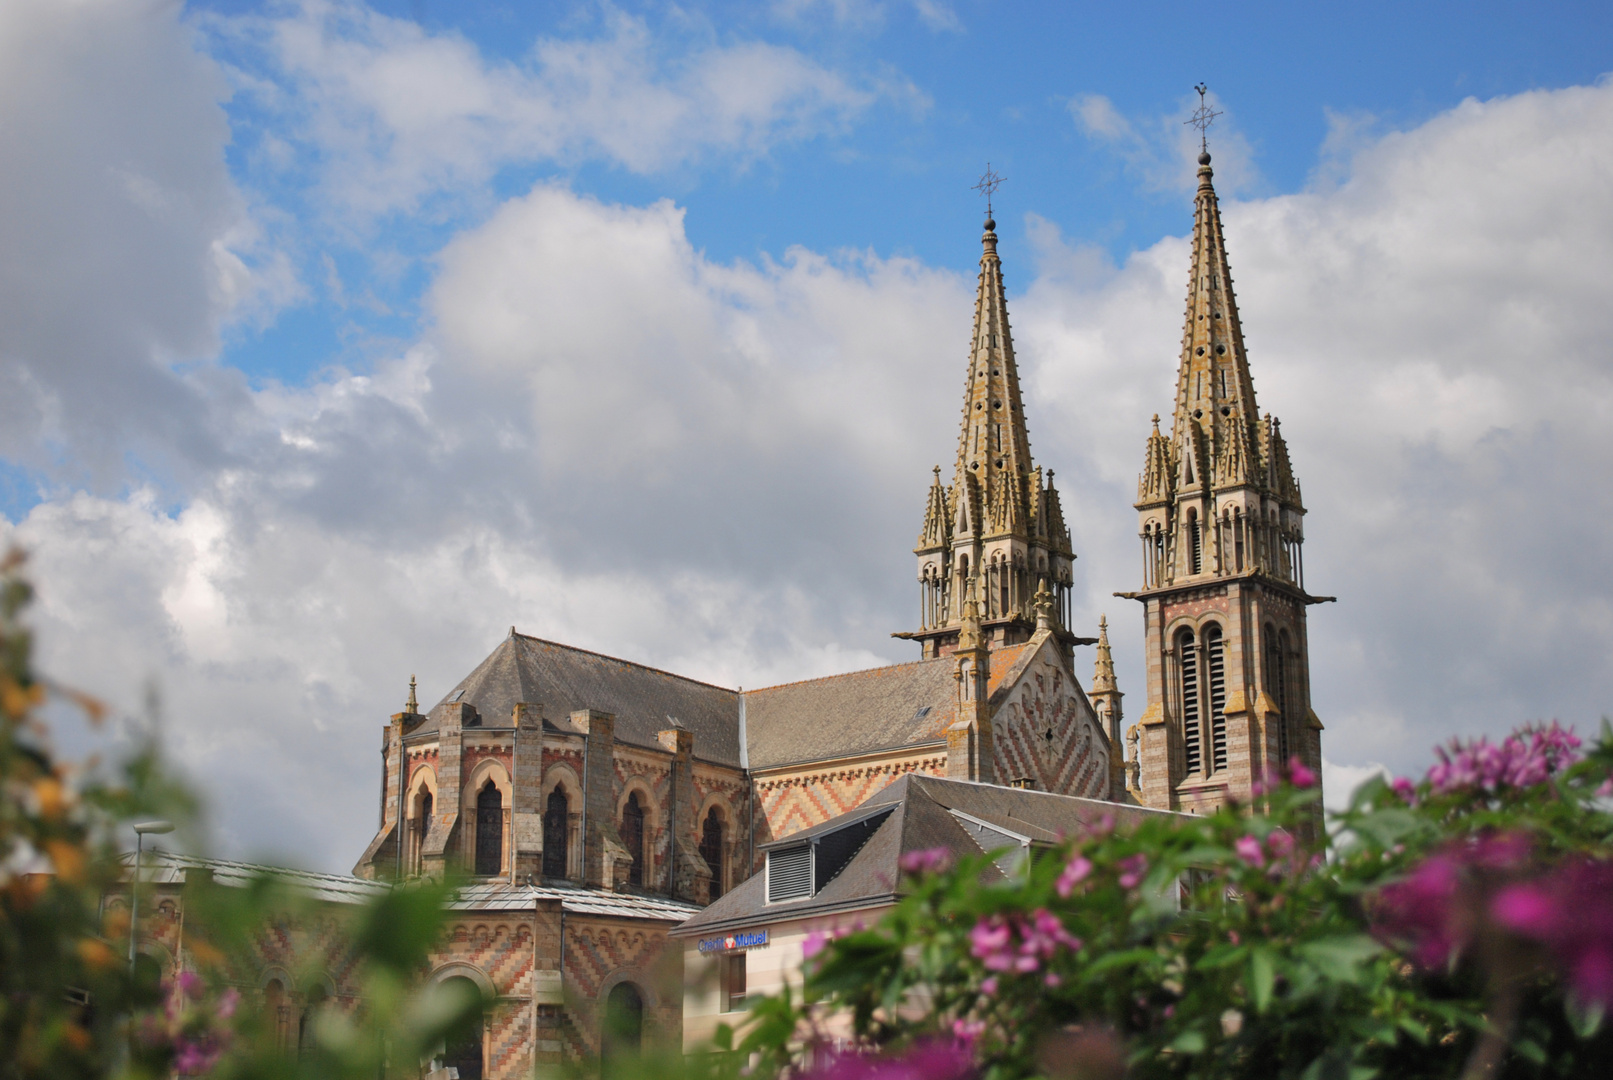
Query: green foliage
(1218, 946)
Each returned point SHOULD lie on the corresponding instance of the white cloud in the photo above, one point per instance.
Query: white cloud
(1162, 151)
(124, 245)
(394, 115)
(1432, 332)
(608, 439)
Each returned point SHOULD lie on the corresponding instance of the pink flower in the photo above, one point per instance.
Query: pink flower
(1299, 774)
(1280, 843)
(1019, 945)
(929, 861)
(227, 1002)
(1571, 912)
(1248, 849)
(1053, 980)
(932, 1059)
(1132, 871)
(1075, 872)
(1420, 912)
(813, 944)
(1405, 789)
(1526, 757)
(1606, 788)
(988, 985)
(190, 984)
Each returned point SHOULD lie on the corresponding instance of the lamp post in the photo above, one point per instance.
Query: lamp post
(155, 828)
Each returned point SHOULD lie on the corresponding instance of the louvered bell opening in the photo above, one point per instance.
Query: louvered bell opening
(1190, 702)
(789, 874)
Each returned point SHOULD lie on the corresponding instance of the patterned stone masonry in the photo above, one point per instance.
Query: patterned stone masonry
(1047, 732)
(800, 800)
(603, 952)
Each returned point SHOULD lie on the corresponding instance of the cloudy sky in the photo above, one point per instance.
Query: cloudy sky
(335, 339)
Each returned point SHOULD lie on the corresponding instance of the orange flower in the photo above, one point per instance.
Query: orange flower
(68, 860)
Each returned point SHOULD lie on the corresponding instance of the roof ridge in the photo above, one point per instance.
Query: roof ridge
(848, 674)
(629, 663)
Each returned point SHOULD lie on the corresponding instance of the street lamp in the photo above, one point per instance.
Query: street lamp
(155, 828)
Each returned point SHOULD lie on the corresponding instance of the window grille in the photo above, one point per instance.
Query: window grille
(789, 874)
(1189, 660)
(1216, 656)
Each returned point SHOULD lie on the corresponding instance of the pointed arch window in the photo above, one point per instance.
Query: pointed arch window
(489, 830)
(1194, 545)
(1215, 665)
(632, 832)
(1188, 665)
(1277, 688)
(556, 833)
(711, 849)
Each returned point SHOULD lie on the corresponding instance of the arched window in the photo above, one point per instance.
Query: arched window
(1187, 655)
(463, 1045)
(489, 830)
(420, 827)
(1215, 661)
(1287, 703)
(633, 837)
(622, 1033)
(1237, 537)
(556, 833)
(305, 1022)
(1277, 687)
(711, 851)
(279, 1011)
(1194, 546)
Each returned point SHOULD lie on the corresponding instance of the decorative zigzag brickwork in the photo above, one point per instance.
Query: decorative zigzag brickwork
(799, 799)
(1045, 731)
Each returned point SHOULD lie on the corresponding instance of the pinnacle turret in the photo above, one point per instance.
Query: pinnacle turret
(999, 520)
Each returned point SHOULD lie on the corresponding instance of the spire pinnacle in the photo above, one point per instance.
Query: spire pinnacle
(412, 707)
(1202, 118)
(1103, 675)
(989, 183)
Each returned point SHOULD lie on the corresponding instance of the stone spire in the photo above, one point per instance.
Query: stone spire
(999, 520)
(412, 706)
(1213, 387)
(1222, 527)
(1105, 698)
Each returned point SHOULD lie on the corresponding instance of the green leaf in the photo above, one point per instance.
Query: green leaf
(1341, 957)
(1262, 977)
(1189, 1042)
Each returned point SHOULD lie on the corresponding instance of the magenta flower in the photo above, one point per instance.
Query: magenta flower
(1299, 774)
(1018, 945)
(1132, 871)
(1075, 872)
(1249, 850)
(227, 1002)
(933, 1059)
(813, 944)
(1405, 789)
(1526, 757)
(929, 861)
(190, 984)
(1605, 789)
(1420, 912)
(1570, 912)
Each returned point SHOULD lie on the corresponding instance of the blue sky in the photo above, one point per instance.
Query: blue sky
(336, 338)
(964, 83)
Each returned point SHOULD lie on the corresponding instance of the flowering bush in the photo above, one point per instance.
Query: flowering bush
(1461, 925)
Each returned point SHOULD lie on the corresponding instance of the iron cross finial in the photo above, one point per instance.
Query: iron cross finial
(1203, 117)
(989, 182)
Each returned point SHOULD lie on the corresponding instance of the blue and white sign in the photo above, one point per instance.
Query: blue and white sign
(752, 939)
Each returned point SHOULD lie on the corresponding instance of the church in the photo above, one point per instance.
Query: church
(597, 802)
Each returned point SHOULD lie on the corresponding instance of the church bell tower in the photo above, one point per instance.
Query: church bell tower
(1228, 666)
(996, 534)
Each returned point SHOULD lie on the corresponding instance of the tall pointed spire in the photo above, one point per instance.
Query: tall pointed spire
(1103, 672)
(1105, 697)
(412, 707)
(1222, 527)
(1002, 519)
(1213, 387)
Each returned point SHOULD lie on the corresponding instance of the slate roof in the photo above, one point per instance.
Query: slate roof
(813, 720)
(167, 868)
(923, 819)
(564, 679)
(859, 712)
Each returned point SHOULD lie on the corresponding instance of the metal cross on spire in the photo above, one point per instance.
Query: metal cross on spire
(989, 182)
(1202, 118)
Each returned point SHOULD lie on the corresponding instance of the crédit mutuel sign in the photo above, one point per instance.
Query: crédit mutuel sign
(752, 939)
